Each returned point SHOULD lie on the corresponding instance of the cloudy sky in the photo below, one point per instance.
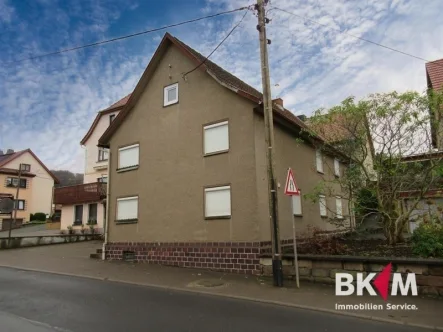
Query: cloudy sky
(48, 104)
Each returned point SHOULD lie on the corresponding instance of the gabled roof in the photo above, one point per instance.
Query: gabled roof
(434, 72)
(114, 107)
(7, 158)
(219, 74)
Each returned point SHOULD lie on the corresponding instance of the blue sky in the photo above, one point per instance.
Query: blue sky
(48, 104)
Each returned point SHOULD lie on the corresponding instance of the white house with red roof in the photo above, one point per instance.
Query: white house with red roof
(85, 204)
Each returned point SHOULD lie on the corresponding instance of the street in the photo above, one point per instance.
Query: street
(41, 302)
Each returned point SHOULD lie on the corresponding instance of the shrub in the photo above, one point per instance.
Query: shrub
(40, 216)
(70, 230)
(31, 217)
(427, 240)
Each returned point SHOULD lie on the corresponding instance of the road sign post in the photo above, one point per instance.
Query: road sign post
(292, 190)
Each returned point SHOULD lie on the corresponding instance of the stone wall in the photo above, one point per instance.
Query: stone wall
(322, 269)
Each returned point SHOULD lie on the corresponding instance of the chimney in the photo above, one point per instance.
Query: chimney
(278, 101)
(9, 151)
(302, 117)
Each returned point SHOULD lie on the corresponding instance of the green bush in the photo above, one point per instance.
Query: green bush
(40, 216)
(427, 240)
(31, 217)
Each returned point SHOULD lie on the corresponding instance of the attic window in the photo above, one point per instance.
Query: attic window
(170, 94)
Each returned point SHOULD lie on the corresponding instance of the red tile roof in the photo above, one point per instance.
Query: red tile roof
(6, 158)
(121, 102)
(434, 71)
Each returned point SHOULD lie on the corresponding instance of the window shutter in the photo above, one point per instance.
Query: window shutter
(127, 208)
(128, 156)
(216, 137)
(337, 167)
(170, 94)
(319, 160)
(218, 201)
(338, 207)
(322, 204)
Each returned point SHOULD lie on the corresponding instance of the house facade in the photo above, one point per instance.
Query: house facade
(36, 184)
(187, 169)
(85, 204)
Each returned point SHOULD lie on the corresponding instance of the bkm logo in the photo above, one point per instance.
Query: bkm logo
(344, 280)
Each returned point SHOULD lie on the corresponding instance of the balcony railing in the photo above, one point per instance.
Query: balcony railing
(82, 193)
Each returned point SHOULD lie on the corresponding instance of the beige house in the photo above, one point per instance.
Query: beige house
(36, 184)
(85, 204)
(187, 169)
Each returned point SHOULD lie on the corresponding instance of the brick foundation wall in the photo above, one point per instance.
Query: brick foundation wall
(232, 257)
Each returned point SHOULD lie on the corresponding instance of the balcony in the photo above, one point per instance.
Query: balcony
(82, 193)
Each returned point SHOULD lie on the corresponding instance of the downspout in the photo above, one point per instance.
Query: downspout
(106, 230)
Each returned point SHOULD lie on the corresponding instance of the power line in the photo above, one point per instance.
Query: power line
(126, 36)
(215, 49)
(357, 37)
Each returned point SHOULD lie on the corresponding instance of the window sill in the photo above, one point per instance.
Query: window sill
(101, 161)
(126, 221)
(127, 169)
(170, 104)
(298, 215)
(217, 217)
(215, 153)
(324, 217)
(321, 172)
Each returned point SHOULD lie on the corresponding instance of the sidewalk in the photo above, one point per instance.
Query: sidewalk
(72, 259)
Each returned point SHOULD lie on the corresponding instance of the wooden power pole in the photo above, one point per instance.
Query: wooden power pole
(13, 221)
(269, 136)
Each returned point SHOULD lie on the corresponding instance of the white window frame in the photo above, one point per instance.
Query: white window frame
(166, 89)
(217, 216)
(323, 205)
(337, 167)
(212, 126)
(116, 209)
(127, 148)
(338, 207)
(297, 206)
(319, 161)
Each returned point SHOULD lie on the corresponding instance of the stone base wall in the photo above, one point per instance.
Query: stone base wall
(232, 257)
(428, 273)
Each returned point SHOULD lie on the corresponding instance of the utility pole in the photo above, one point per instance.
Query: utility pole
(15, 202)
(269, 136)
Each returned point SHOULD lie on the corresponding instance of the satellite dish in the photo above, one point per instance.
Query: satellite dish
(6, 205)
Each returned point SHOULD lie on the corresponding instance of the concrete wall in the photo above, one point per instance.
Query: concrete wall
(32, 241)
(67, 217)
(39, 195)
(322, 269)
(91, 152)
(173, 172)
(301, 157)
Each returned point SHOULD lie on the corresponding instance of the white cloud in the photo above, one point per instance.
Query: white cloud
(49, 105)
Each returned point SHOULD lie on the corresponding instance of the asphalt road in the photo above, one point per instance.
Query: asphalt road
(41, 302)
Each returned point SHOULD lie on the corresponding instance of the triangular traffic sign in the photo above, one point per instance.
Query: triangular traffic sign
(290, 186)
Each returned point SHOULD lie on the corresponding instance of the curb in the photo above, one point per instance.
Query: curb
(236, 297)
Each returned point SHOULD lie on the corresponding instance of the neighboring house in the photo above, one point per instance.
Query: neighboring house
(434, 78)
(430, 203)
(187, 168)
(85, 204)
(36, 184)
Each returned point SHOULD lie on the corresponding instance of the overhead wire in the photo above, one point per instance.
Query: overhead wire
(355, 36)
(215, 49)
(126, 36)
